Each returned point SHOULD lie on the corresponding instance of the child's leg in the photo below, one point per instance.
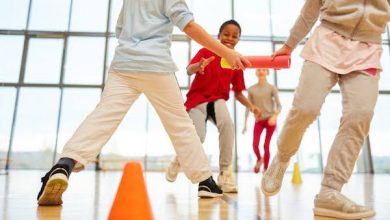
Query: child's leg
(359, 92)
(89, 138)
(198, 115)
(315, 83)
(268, 135)
(224, 123)
(120, 92)
(165, 96)
(226, 134)
(257, 130)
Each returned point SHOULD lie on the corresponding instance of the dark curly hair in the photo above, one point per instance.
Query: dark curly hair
(233, 22)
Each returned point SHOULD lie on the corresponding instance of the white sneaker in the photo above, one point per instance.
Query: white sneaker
(332, 203)
(226, 182)
(273, 177)
(172, 171)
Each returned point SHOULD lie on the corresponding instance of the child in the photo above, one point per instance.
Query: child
(142, 64)
(265, 96)
(345, 49)
(206, 100)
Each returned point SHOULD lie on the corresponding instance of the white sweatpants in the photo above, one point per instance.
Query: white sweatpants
(120, 92)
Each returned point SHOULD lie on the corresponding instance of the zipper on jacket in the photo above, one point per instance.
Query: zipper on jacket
(360, 20)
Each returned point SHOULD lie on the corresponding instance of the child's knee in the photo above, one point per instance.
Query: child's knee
(358, 117)
(306, 113)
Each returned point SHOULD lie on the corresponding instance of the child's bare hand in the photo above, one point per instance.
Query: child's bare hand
(236, 60)
(284, 50)
(203, 63)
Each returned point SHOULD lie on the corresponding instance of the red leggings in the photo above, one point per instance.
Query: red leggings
(257, 130)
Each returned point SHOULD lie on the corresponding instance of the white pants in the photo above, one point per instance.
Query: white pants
(120, 92)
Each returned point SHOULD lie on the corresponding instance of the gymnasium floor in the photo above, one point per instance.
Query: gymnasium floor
(90, 195)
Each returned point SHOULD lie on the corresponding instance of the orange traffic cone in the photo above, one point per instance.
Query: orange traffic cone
(131, 200)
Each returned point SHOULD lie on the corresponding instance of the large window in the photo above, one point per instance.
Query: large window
(7, 103)
(44, 61)
(73, 112)
(211, 14)
(57, 11)
(13, 14)
(254, 17)
(379, 135)
(132, 138)
(280, 12)
(85, 60)
(11, 49)
(288, 78)
(180, 55)
(89, 15)
(52, 73)
(35, 128)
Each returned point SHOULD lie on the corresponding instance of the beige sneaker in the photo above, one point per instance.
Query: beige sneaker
(173, 170)
(226, 182)
(273, 177)
(333, 204)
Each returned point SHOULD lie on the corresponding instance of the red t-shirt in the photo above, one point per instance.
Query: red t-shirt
(214, 83)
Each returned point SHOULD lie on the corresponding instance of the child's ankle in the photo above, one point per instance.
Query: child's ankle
(326, 189)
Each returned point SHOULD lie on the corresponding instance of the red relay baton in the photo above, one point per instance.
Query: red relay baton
(278, 62)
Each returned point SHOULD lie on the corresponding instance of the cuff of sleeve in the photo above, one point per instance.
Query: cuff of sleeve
(182, 23)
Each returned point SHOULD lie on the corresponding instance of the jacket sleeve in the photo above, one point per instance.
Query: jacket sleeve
(178, 13)
(304, 23)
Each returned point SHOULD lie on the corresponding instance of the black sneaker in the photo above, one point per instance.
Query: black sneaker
(209, 189)
(54, 183)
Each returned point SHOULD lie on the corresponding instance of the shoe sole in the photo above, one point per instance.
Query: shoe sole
(342, 215)
(266, 192)
(206, 194)
(52, 193)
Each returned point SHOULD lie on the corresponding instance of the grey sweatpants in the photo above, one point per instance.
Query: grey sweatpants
(359, 95)
(221, 118)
